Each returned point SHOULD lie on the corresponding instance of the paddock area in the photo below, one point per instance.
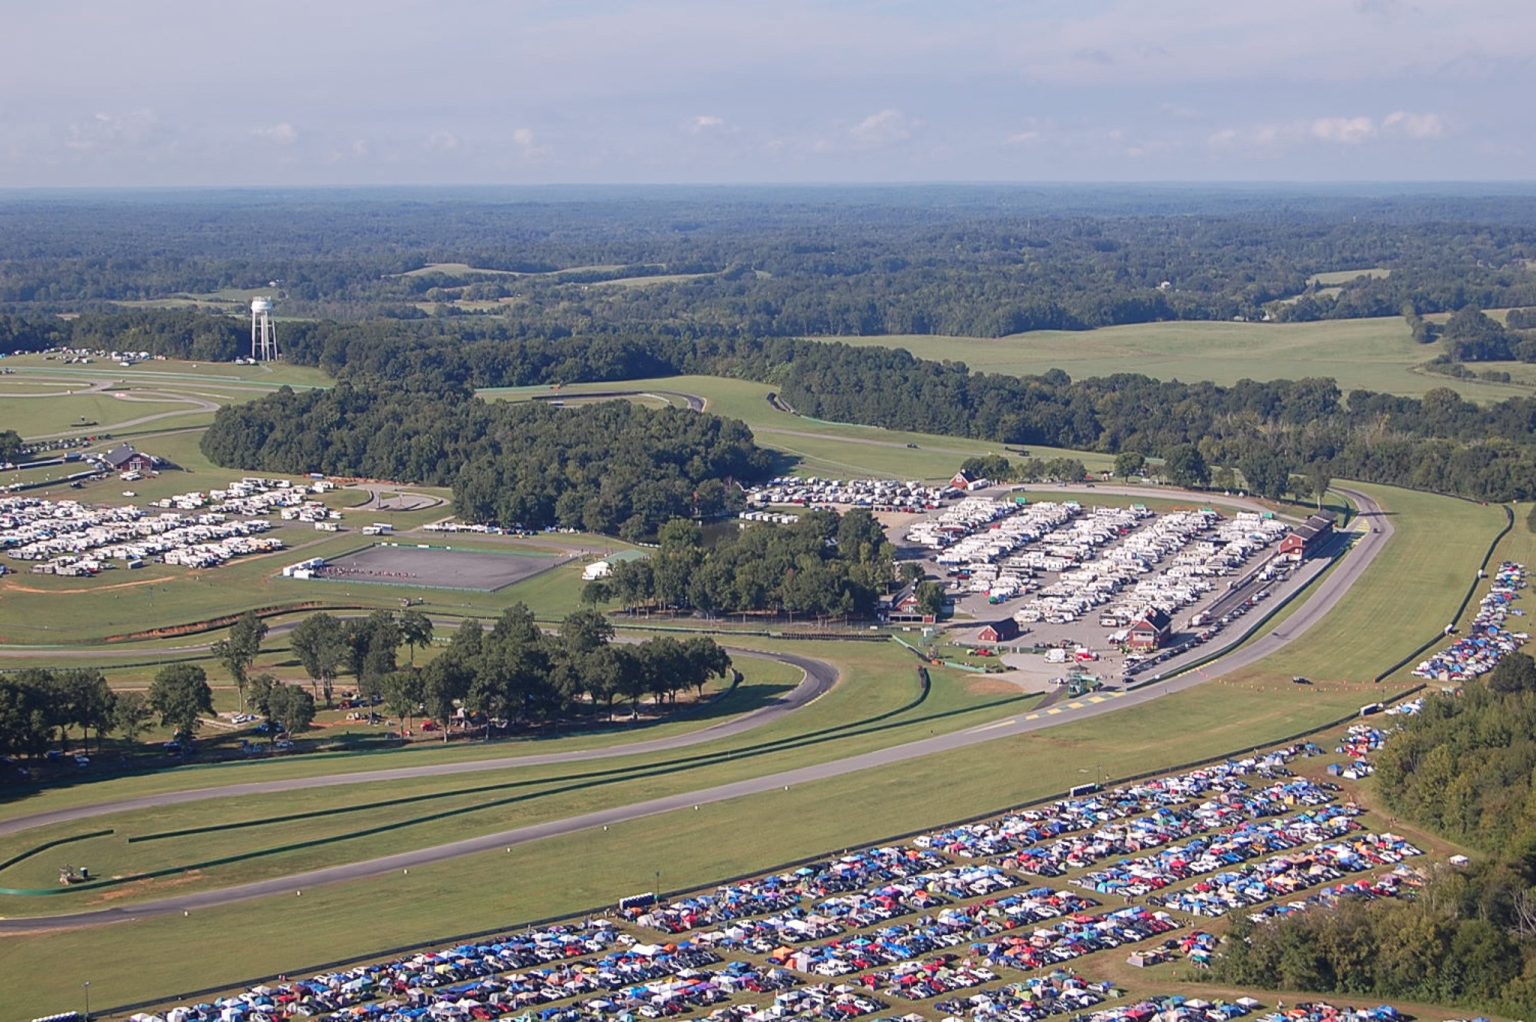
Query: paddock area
(434, 567)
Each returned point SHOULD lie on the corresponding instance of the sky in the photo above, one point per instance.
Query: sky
(100, 93)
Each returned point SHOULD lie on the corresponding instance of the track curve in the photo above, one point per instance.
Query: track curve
(1318, 604)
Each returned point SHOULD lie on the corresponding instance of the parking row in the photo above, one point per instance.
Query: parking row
(1285, 875)
(1151, 873)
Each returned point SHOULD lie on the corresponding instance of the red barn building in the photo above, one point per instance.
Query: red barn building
(1005, 630)
(123, 458)
(1304, 540)
(1149, 631)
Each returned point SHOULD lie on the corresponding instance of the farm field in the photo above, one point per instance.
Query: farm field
(1376, 354)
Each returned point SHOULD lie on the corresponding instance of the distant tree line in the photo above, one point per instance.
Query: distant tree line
(822, 566)
(614, 468)
(976, 261)
(424, 424)
(1462, 768)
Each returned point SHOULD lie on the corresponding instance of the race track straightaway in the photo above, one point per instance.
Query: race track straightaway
(819, 677)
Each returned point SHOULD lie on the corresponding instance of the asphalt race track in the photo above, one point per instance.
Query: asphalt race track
(819, 676)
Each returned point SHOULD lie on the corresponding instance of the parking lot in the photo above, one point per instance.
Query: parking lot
(986, 920)
(433, 567)
(1074, 578)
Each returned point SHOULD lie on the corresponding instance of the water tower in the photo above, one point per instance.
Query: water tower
(263, 333)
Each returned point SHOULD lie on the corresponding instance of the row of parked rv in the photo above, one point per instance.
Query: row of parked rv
(1490, 638)
(1056, 537)
(1165, 565)
(86, 356)
(66, 537)
(771, 517)
(874, 494)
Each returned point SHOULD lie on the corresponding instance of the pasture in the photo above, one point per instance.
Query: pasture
(1375, 354)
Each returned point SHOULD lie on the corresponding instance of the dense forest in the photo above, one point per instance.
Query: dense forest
(978, 261)
(1440, 442)
(1463, 767)
(822, 566)
(616, 467)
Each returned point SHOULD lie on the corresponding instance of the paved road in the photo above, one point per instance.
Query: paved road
(148, 396)
(819, 677)
(1321, 601)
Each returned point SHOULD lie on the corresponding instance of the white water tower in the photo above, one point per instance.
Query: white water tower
(263, 333)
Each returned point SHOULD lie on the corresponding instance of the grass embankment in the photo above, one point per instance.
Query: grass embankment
(1376, 354)
(870, 710)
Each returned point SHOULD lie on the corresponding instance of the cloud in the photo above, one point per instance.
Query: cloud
(443, 142)
(1345, 130)
(1022, 137)
(706, 122)
(282, 133)
(887, 127)
(136, 129)
(1411, 125)
(529, 145)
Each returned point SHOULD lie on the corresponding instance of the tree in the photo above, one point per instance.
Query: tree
(290, 707)
(239, 651)
(415, 630)
(988, 466)
(911, 572)
(403, 691)
(10, 446)
(371, 644)
(930, 598)
(705, 659)
(1320, 477)
(321, 646)
(1515, 673)
(91, 702)
(1185, 466)
(1267, 473)
(130, 715)
(583, 631)
(180, 694)
(25, 725)
(1129, 463)
(445, 683)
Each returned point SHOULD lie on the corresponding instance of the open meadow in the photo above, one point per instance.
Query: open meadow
(1375, 354)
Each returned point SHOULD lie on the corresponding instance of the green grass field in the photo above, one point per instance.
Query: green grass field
(691, 849)
(827, 449)
(1376, 354)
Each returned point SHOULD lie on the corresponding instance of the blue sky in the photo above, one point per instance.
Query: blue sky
(340, 92)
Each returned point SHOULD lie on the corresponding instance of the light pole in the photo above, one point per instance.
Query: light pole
(87, 988)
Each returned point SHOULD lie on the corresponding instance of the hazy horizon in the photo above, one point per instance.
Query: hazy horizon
(171, 93)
